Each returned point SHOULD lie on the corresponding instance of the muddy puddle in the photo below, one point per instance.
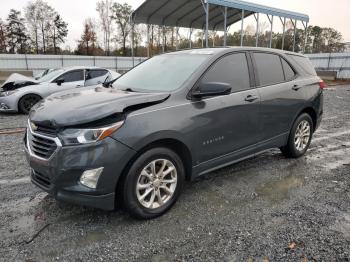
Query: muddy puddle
(279, 190)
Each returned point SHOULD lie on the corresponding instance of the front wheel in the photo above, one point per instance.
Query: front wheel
(153, 183)
(27, 102)
(300, 137)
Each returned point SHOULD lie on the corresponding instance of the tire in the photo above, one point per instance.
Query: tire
(297, 146)
(27, 102)
(139, 180)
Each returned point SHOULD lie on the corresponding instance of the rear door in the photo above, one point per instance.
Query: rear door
(278, 88)
(96, 77)
(226, 124)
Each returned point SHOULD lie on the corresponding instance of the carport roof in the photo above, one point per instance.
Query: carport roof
(191, 14)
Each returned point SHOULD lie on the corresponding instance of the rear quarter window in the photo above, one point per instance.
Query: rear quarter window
(304, 63)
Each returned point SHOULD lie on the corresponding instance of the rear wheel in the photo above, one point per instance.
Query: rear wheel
(153, 183)
(27, 102)
(299, 137)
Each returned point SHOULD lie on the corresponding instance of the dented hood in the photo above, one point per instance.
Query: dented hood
(81, 107)
(15, 81)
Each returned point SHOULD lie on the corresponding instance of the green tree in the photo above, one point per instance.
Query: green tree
(121, 15)
(2, 37)
(17, 38)
(59, 32)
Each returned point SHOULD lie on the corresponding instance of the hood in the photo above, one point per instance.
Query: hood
(82, 107)
(16, 81)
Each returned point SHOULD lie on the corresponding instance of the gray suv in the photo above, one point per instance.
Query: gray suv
(172, 118)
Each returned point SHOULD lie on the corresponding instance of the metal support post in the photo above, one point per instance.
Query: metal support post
(271, 30)
(148, 42)
(295, 34)
(163, 45)
(190, 38)
(257, 29)
(284, 31)
(242, 24)
(305, 41)
(225, 26)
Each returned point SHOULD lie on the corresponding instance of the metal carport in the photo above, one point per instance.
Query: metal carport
(212, 15)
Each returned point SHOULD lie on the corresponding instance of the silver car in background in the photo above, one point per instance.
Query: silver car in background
(22, 94)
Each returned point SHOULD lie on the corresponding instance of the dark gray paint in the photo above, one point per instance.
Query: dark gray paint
(216, 131)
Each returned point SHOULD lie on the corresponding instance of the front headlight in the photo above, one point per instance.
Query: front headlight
(8, 93)
(72, 136)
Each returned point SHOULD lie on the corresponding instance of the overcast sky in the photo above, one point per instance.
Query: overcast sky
(324, 13)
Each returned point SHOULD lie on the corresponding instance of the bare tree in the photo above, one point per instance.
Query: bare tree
(32, 18)
(104, 9)
(40, 17)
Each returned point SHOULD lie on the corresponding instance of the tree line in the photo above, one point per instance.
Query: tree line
(40, 29)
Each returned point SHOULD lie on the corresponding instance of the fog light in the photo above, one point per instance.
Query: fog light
(90, 177)
(4, 106)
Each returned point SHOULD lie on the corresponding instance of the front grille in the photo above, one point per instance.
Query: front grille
(40, 146)
(41, 179)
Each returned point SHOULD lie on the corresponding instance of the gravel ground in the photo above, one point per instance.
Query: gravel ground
(264, 209)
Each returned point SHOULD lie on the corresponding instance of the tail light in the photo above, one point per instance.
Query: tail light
(322, 84)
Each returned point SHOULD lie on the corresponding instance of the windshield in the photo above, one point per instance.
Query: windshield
(162, 73)
(51, 75)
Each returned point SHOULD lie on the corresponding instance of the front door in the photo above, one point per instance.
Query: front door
(69, 80)
(227, 124)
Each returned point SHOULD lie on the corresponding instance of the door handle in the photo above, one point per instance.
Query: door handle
(79, 86)
(251, 98)
(296, 87)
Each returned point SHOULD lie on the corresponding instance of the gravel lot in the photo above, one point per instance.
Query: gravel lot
(264, 209)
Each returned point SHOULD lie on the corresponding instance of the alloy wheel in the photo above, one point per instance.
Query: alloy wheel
(156, 183)
(302, 135)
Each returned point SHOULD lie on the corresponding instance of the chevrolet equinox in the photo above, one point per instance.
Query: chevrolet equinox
(172, 118)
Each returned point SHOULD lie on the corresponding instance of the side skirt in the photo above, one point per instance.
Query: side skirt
(239, 155)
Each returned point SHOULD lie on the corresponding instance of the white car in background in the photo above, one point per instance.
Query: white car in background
(20, 93)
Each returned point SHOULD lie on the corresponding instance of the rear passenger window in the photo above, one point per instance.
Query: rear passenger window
(96, 73)
(231, 69)
(288, 71)
(269, 69)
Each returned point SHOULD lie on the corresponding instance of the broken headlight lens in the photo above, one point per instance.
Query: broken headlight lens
(73, 136)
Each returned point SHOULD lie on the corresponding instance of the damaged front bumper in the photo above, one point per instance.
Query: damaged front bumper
(8, 104)
(59, 174)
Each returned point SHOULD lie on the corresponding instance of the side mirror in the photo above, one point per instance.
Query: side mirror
(212, 89)
(59, 81)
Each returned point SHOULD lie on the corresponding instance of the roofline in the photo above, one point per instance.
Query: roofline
(222, 50)
(257, 8)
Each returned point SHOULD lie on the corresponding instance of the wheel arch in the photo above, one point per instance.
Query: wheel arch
(171, 143)
(24, 95)
(312, 113)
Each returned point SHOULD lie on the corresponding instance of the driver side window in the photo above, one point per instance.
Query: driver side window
(72, 76)
(231, 69)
